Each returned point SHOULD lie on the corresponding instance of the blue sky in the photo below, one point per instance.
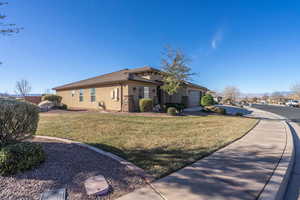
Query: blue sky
(250, 44)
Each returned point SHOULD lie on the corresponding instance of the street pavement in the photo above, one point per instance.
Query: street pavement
(291, 113)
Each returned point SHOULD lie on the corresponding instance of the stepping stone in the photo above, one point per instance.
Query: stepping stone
(96, 185)
(59, 194)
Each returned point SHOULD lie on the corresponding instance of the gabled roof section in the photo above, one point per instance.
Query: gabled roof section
(118, 77)
(114, 77)
(196, 86)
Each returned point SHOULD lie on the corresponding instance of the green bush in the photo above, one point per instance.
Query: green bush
(178, 106)
(18, 157)
(215, 109)
(56, 99)
(146, 105)
(17, 120)
(172, 111)
(207, 100)
(64, 107)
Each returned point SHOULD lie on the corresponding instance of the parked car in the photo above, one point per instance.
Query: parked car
(293, 103)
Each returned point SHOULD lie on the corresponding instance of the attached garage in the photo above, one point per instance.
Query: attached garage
(194, 98)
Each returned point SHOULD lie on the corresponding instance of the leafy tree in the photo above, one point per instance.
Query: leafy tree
(176, 70)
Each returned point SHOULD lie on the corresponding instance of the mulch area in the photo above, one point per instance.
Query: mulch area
(69, 165)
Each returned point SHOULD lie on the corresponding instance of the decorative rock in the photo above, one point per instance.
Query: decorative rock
(59, 194)
(46, 105)
(96, 185)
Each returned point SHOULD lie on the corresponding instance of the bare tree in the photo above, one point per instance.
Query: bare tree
(231, 93)
(296, 89)
(177, 72)
(23, 87)
(6, 28)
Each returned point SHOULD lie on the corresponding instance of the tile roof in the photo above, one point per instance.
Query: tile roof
(115, 77)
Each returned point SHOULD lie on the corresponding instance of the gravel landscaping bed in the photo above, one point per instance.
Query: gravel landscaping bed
(68, 165)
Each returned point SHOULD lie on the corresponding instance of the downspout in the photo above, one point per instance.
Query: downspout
(121, 98)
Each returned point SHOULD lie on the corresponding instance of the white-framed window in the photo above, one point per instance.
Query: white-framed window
(73, 93)
(81, 95)
(115, 94)
(146, 92)
(93, 94)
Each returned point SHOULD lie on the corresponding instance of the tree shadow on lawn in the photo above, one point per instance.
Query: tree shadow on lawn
(233, 110)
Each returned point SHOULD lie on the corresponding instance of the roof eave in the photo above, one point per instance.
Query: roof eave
(88, 85)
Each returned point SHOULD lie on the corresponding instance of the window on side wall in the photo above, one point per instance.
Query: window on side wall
(146, 92)
(81, 95)
(73, 93)
(93, 94)
(115, 94)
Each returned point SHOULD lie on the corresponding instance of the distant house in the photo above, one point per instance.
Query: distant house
(121, 91)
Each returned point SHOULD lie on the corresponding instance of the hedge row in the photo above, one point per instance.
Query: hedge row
(17, 120)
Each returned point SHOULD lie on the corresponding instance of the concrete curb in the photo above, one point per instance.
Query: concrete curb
(137, 170)
(275, 188)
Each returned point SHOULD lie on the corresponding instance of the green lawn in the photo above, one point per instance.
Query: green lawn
(159, 145)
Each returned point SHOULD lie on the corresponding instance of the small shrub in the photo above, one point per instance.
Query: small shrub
(64, 107)
(146, 105)
(18, 157)
(172, 111)
(215, 109)
(60, 107)
(17, 120)
(207, 100)
(239, 114)
(178, 106)
(56, 99)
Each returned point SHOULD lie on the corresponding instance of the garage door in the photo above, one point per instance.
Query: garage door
(194, 98)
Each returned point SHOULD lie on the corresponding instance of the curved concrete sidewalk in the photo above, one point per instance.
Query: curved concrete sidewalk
(242, 170)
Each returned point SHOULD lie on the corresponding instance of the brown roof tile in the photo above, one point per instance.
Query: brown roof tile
(115, 77)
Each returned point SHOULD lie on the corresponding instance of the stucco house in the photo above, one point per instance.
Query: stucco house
(121, 91)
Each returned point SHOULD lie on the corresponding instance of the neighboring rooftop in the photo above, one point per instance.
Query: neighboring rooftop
(116, 77)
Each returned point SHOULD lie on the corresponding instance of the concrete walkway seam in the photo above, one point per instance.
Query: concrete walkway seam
(277, 184)
(137, 170)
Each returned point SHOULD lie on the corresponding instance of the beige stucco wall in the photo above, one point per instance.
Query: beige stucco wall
(129, 89)
(135, 87)
(177, 98)
(103, 94)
